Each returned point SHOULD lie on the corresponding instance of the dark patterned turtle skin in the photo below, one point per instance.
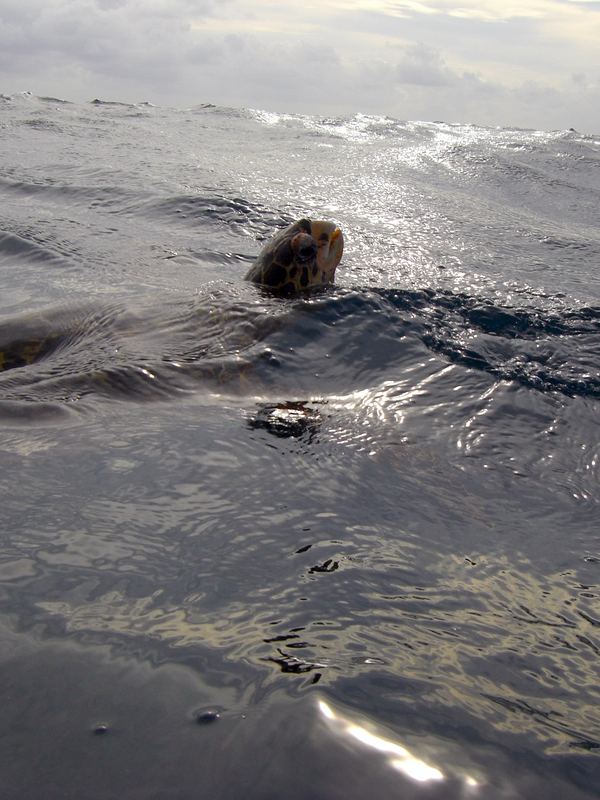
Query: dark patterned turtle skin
(300, 257)
(20, 354)
(29, 339)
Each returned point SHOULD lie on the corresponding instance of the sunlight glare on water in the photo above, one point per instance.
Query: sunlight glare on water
(353, 530)
(397, 755)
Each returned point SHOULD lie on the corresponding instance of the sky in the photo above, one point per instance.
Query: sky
(527, 63)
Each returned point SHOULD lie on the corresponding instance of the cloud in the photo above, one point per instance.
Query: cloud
(473, 60)
(423, 66)
(114, 37)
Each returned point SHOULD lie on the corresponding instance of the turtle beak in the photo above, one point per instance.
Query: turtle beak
(336, 244)
(330, 241)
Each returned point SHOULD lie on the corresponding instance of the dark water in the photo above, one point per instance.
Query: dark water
(331, 547)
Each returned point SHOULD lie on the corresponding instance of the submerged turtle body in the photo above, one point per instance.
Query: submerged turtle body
(302, 256)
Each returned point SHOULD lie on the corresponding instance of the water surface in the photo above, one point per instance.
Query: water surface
(320, 547)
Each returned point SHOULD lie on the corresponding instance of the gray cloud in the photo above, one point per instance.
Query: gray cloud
(423, 66)
(182, 52)
(113, 37)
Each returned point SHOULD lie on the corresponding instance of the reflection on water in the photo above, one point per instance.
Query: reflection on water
(315, 555)
(89, 722)
(398, 757)
(369, 514)
(468, 626)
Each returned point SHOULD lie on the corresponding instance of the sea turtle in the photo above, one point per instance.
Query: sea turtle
(300, 257)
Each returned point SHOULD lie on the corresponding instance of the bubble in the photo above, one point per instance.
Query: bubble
(206, 716)
(100, 729)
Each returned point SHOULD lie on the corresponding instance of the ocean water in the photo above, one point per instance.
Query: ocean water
(336, 546)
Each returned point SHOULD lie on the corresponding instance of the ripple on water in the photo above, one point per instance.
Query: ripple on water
(383, 496)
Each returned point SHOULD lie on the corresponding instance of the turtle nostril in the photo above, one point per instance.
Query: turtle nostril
(306, 252)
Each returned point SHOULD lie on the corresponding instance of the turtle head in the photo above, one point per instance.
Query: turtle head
(302, 256)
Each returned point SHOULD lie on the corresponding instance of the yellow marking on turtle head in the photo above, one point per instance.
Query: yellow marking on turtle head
(330, 243)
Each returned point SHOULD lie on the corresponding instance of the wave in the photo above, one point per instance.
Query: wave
(58, 100)
(29, 96)
(14, 247)
(243, 342)
(352, 125)
(115, 103)
(188, 210)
